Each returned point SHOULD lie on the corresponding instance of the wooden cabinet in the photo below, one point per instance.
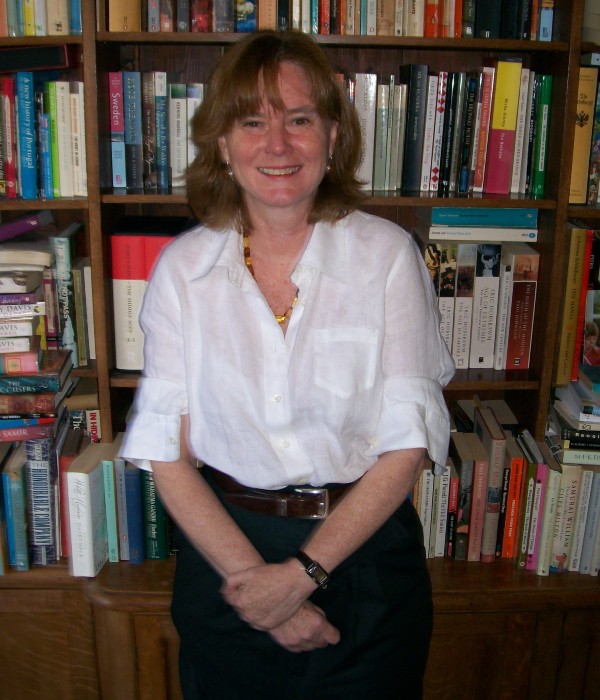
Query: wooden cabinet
(498, 633)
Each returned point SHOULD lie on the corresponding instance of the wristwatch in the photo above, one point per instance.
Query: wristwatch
(313, 569)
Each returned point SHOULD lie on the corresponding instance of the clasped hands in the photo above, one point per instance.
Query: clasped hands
(273, 598)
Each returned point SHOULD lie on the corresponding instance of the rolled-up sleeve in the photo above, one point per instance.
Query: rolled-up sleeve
(153, 430)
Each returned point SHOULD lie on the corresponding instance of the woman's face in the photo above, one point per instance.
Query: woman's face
(278, 158)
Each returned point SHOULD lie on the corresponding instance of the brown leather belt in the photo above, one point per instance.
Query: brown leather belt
(291, 502)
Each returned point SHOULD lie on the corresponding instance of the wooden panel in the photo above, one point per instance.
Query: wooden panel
(157, 645)
(480, 656)
(579, 672)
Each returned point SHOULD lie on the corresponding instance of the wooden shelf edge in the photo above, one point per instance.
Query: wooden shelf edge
(33, 204)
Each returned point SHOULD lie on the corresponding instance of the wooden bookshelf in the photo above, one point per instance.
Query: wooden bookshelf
(498, 633)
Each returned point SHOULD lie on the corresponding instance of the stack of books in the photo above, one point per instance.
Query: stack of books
(40, 18)
(505, 495)
(485, 271)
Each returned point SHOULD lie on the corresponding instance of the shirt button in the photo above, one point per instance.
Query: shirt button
(285, 443)
(173, 441)
(277, 398)
(303, 481)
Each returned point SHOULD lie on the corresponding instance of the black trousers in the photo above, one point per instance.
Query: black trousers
(379, 599)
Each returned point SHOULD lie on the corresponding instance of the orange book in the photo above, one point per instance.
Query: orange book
(432, 17)
(515, 463)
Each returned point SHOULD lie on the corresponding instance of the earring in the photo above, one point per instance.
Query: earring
(228, 170)
(329, 166)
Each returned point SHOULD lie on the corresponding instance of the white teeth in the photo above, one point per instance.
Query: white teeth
(280, 171)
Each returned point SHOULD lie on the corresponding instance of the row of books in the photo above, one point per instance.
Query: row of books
(485, 276)
(42, 137)
(149, 129)
(40, 17)
(45, 292)
(524, 19)
(454, 132)
(585, 168)
(503, 494)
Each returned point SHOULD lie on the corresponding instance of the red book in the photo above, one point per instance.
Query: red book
(525, 262)
(201, 15)
(8, 186)
(503, 125)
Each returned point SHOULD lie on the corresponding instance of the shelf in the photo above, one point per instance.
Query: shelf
(12, 41)
(34, 204)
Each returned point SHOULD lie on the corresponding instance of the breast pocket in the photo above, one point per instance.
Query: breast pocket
(345, 360)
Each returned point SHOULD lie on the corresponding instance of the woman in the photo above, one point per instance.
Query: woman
(292, 344)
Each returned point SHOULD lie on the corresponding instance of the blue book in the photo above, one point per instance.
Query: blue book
(475, 216)
(245, 17)
(75, 23)
(545, 25)
(135, 513)
(132, 113)
(46, 179)
(20, 18)
(26, 138)
(161, 115)
(15, 499)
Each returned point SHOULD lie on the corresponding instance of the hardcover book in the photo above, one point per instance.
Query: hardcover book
(485, 305)
(132, 119)
(117, 129)
(15, 502)
(55, 368)
(584, 128)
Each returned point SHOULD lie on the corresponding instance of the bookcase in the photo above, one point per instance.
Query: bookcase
(111, 637)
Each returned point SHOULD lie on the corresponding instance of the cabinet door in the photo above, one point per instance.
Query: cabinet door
(46, 646)
(480, 656)
(579, 670)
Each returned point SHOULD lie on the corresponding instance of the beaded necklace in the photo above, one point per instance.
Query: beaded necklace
(280, 318)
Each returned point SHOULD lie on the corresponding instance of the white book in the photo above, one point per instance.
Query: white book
(485, 305)
(504, 302)
(592, 526)
(463, 304)
(438, 132)
(493, 234)
(178, 133)
(381, 134)
(57, 16)
(41, 23)
(365, 102)
(425, 504)
(295, 12)
(399, 15)
(390, 126)
(402, 114)
(430, 112)
(305, 16)
(549, 513)
(476, 133)
(447, 290)
(581, 512)
(523, 177)
(565, 516)
(78, 154)
(371, 17)
(520, 132)
(394, 137)
(87, 511)
(414, 18)
(194, 96)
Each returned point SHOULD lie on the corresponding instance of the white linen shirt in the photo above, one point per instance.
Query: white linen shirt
(359, 372)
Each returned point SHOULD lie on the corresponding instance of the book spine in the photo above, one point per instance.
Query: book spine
(438, 131)
(592, 526)
(64, 251)
(26, 135)
(488, 78)
(63, 130)
(87, 518)
(89, 310)
(15, 500)
(477, 515)
(156, 539)
(132, 119)
(540, 149)
(50, 92)
(485, 305)
(365, 100)
(509, 536)
(580, 519)
(201, 15)
(441, 528)
(42, 483)
(483, 219)
(110, 500)
(521, 130)
(117, 129)
(194, 96)
(124, 16)
(415, 76)
(468, 140)
(502, 317)
(80, 317)
(8, 133)
(223, 16)
(177, 133)
(129, 286)
(503, 128)
(537, 510)
(57, 12)
(121, 509)
(429, 129)
(548, 520)
(153, 16)
(565, 518)
(76, 19)
(579, 332)
(78, 150)
(10, 345)
(525, 513)
(447, 291)
(182, 23)
(381, 123)
(463, 303)
(135, 516)
(458, 134)
(448, 133)
(161, 130)
(167, 15)
(23, 362)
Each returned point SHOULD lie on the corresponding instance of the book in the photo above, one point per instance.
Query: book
(464, 413)
(79, 300)
(484, 97)
(134, 251)
(119, 467)
(503, 312)
(30, 253)
(447, 290)
(135, 513)
(577, 239)
(25, 134)
(110, 500)
(34, 404)
(177, 133)
(51, 377)
(24, 361)
(506, 542)
(584, 129)
(492, 436)
(528, 487)
(429, 128)
(592, 526)
(478, 496)
(589, 375)
(485, 305)
(565, 517)
(452, 515)
(65, 244)
(124, 16)
(438, 132)
(524, 261)
(156, 523)
(78, 148)
(132, 120)
(542, 125)
(382, 113)
(365, 101)
(575, 400)
(580, 518)
(549, 511)
(87, 510)
(462, 460)
(502, 136)
(5, 451)
(520, 150)
(488, 17)
(149, 131)
(63, 138)
(463, 303)
(492, 234)
(415, 77)
(448, 132)
(8, 132)
(25, 224)
(15, 503)
(538, 470)
(72, 442)
(117, 129)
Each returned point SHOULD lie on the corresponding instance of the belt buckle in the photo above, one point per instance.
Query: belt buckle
(323, 504)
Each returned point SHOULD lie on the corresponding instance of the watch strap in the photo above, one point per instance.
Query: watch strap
(313, 569)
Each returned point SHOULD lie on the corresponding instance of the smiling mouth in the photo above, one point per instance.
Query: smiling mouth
(279, 171)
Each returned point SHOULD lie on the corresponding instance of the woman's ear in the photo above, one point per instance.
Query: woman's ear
(223, 148)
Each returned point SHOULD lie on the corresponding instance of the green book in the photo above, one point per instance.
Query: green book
(50, 95)
(540, 144)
